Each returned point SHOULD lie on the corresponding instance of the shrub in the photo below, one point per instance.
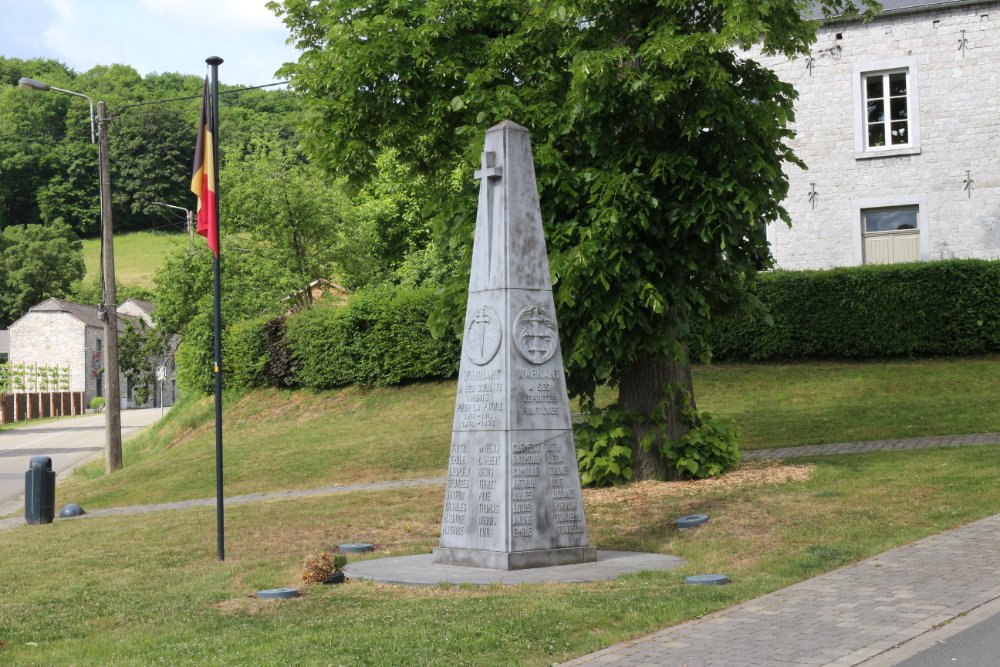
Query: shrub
(256, 354)
(380, 338)
(97, 403)
(707, 450)
(245, 355)
(898, 310)
(604, 449)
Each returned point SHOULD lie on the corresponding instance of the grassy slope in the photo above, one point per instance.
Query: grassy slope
(147, 589)
(281, 439)
(137, 255)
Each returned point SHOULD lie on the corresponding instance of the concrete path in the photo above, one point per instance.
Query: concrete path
(860, 447)
(68, 442)
(878, 612)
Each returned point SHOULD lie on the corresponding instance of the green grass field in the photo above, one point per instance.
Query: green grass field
(137, 255)
(148, 589)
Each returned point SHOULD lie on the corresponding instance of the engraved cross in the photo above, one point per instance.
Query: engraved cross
(481, 320)
(488, 171)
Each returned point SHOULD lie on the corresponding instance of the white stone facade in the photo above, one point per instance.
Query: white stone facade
(57, 339)
(954, 135)
(66, 334)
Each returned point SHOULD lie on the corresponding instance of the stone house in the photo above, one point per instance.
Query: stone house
(897, 122)
(63, 333)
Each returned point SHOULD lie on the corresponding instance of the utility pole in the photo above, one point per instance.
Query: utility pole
(109, 304)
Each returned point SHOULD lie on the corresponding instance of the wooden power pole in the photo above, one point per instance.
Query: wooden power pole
(109, 305)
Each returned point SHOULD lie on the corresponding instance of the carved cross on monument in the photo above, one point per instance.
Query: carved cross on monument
(488, 171)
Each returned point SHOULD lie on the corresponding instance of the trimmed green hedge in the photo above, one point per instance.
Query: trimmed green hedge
(379, 338)
(896, 310)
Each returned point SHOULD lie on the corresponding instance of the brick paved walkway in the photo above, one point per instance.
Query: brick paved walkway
(843, 617)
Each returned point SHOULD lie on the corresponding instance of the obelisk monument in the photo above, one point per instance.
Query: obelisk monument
(513, 496)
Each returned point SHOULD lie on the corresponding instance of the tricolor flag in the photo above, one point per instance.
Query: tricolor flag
(203, 176)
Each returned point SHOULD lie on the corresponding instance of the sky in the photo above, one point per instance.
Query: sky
(150, 35)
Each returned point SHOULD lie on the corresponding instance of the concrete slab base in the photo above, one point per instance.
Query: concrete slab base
(516, 560)
(421, 570)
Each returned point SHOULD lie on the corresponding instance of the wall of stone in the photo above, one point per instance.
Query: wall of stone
(958, 96)
(50, 338)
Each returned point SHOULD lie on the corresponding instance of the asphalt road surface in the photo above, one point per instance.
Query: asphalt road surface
(66, 441)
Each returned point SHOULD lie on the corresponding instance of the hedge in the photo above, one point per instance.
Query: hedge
(897, 310)
(379, 338)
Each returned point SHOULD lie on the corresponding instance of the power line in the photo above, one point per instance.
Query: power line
(198, 97)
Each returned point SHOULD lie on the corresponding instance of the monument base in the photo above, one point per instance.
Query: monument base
(516, 560)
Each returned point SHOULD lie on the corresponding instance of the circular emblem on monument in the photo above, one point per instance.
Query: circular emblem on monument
(535, 334)
(482, 338)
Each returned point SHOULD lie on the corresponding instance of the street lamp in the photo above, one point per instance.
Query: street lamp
(31, 84)
(189, 215)
(112, 415)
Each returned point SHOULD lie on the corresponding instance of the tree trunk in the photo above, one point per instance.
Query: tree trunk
(642, 388)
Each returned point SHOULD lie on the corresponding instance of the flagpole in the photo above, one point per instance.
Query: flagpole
(214, 63)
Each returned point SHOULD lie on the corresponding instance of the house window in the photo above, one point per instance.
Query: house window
(891, 234)
(886, 104)
(887, 109)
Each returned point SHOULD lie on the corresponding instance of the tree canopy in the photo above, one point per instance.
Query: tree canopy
(49, 164)
(659, 146)
(36, 262)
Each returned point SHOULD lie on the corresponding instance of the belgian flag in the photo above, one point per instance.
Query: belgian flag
(203, 176)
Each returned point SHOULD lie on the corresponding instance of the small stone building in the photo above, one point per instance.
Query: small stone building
(897, 121)
(63, 333)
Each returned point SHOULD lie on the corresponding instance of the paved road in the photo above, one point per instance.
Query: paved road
(67, 441)
(972, 640)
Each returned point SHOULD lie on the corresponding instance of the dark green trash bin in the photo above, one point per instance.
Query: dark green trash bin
(39, 491)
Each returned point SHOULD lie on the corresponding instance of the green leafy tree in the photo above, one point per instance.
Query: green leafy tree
(36, 262)
(287, 211)
(658, 148)
(137, 347)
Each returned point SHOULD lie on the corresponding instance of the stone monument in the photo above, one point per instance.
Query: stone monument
(513, 498)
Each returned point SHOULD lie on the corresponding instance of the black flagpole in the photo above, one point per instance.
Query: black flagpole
(214, 62)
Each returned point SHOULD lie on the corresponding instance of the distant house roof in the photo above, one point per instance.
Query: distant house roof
(901, 6)
(86, 314)
(144, 305)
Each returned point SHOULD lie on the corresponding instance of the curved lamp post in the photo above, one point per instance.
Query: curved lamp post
(31, 84)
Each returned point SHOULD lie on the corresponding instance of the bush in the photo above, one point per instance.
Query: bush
(604, 449)
(604, 446)
(97, 403)
(707, 450)
(244, 354)
(379, 338)
(868, 312)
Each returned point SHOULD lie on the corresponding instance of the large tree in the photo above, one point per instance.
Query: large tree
(659, 147)
(36, 262)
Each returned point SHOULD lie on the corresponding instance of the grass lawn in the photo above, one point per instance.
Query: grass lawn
(148, 590)
(277, 440)
(784, 405)
(138, 255)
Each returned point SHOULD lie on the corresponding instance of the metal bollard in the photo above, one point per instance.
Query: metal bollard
(39, 491)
